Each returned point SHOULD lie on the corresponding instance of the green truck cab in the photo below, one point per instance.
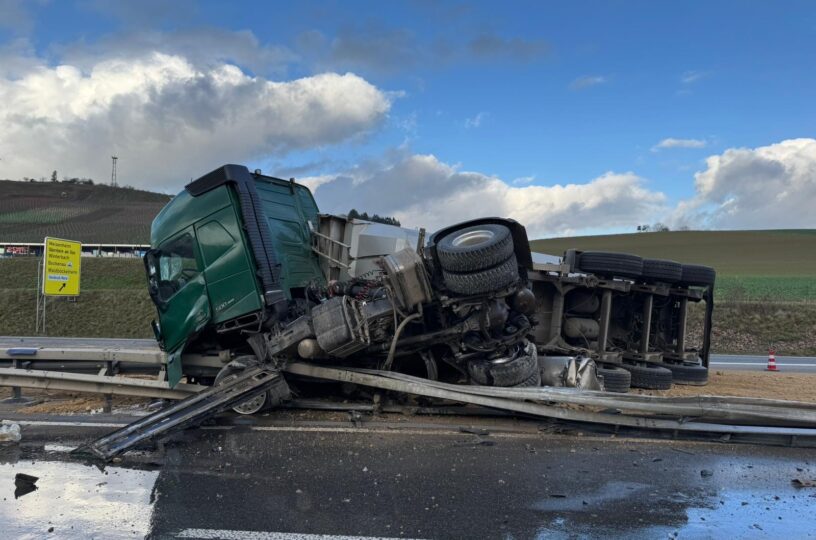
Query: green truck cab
(206, 275)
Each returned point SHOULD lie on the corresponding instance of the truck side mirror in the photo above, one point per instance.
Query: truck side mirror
(150, 262)
(156, 330)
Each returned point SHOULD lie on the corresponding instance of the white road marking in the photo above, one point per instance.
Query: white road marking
(226, 534)
(60, 448)
(387, 431)
(318, 429)
(314, 429)
(68, 424)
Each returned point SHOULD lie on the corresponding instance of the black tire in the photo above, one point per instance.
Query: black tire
(688, 373)
(650, 376)
(698, 275)
(484, 281)
(475, 248)
(662, 271)
(533, 380)
(510, 373)
(615, 379)
(608, 264)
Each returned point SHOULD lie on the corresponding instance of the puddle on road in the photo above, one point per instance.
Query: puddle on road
(77, 500)
(728, 513)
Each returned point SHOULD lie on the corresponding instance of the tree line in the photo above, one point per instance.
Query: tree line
(353, 213)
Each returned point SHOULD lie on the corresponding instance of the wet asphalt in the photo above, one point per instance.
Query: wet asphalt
(281, 480)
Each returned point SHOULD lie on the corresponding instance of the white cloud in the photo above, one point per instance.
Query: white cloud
(476, 121)
(314, 182)
(691, 76)
(679, 143)
(587, 81)
(200, 46)
(767, 187)
(168, 118)
(422, 191)
(523, 181)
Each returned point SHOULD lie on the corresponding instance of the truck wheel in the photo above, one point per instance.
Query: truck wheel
(608, 264)
(253, 404)
(688, 373)
(533, 380)
(483, 281)
(699, 275)
(615, 379)
(649, 376)
(662, 271)
(475, 248)
(506, 372)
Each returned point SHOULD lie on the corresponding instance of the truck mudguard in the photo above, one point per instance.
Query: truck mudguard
(520, 241)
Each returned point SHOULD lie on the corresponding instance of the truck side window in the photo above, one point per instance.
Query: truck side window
(177, 265)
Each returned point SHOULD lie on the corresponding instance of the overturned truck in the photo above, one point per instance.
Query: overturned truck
(246, 263)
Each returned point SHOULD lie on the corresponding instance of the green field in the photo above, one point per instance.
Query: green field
(751, 265)
(113, 300)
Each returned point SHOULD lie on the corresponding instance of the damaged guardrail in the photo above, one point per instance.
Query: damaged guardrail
(99, 384)
(788, 419)
(188, 412)
(743, 418)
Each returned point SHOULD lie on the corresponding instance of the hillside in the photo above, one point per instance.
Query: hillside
(732, 253)
(29, 211)
(778, 265)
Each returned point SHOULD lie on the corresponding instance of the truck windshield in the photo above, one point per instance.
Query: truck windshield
(177, 266)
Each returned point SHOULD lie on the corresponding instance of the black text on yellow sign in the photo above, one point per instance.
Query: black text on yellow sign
(61, 267)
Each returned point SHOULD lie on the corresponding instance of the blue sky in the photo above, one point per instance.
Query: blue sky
(532, 93)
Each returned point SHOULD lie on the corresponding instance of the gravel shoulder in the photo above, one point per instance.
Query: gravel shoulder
(770, 385)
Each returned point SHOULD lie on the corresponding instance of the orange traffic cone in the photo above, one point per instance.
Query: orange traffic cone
(771, 361)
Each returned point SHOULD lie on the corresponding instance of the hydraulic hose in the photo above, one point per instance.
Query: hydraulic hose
(392, 350)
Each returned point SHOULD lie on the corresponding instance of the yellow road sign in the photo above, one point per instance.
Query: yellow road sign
(61, 267)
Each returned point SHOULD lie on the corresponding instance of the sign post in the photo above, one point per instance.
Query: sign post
(61, 265)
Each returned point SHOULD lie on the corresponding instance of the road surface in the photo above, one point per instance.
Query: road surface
(272, 480)
(793, 364)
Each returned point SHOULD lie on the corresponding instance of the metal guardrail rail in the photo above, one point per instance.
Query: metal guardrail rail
(94, 365)
(188, 412)
(791, 420)
(761, 419)
(99, 384)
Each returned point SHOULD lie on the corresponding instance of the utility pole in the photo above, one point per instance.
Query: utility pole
(113, 171)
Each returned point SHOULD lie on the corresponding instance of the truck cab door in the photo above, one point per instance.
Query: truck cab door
(178, 288)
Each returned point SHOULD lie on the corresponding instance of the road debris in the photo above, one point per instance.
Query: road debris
(475, 431)
(799, 483)
(9, 432)
(24, 484)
